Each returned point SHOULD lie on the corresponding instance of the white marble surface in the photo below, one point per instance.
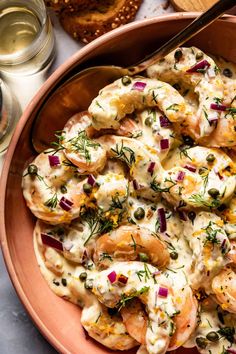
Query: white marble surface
(17, 333)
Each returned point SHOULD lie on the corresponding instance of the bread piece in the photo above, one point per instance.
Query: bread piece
(88, 23)
(60, 5)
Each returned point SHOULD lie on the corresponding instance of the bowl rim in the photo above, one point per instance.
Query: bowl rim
(41, 326)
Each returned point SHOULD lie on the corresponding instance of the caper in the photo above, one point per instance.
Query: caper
(213, 192)
(178, 54)
(83, 276)
(32, 170)
(177, 86)
(88, 284)
(143, 257)
(201, 342)
(192, 215)
(227, 72)
(148, 121)
(87, 188)
(174, 255)
(199, 55)
(63, 189)
(201, 170)
(210, 158)
(222, 207)
(188, 140)
(139, 213)
(64, 282)
(212, 336)
(112, 311)
(126, 80)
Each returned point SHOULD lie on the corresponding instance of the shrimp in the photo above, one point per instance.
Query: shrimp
(186, 319)
(106, 329)
(202, 177)
(151, 287)
(72, 239)
(53, 193)
(210, 246)
(142, 161)
(58, 271)
(112, 195)
(88, 155)
(131, 243)
(224, 288)
(152, 126)
(117, 100)
(184, 67)
(135, 319)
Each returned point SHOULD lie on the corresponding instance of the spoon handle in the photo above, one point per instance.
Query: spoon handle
(188, 32)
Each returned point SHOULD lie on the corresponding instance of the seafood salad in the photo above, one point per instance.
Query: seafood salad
(136, 208)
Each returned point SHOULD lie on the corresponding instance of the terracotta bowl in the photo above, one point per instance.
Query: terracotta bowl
(58, 320)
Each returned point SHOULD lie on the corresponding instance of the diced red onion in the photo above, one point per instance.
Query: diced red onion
(67, 245)
(201, 65)
(122, 279)
(231, 351)
(190, 168)
(151, 167)
(180, 176)
(139, 86)
(157, 272)
(162, 219)
(112, 276)
(135, 184)
(65, 204)
(218, 107)
(182, 215)
(164, 121)
(53, 160)
(163, 292)
(91, 180)
(50, 241)
(164, 144)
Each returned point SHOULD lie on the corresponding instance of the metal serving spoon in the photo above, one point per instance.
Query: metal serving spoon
(65, 101)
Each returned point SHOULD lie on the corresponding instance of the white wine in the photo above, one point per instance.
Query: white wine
(19, 27)
(26, 37)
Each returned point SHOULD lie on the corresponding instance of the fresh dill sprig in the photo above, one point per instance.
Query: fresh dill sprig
(81, 143)
(228, 333)
(57, 145)
(105, 255)
(173, 107)
(96, 223)
(211, 234)
(156, 186)
(199, 200)
(52, 202)
(184, 151)
(125, 298)
(205, 176)
(124, 153)
(144, 273)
